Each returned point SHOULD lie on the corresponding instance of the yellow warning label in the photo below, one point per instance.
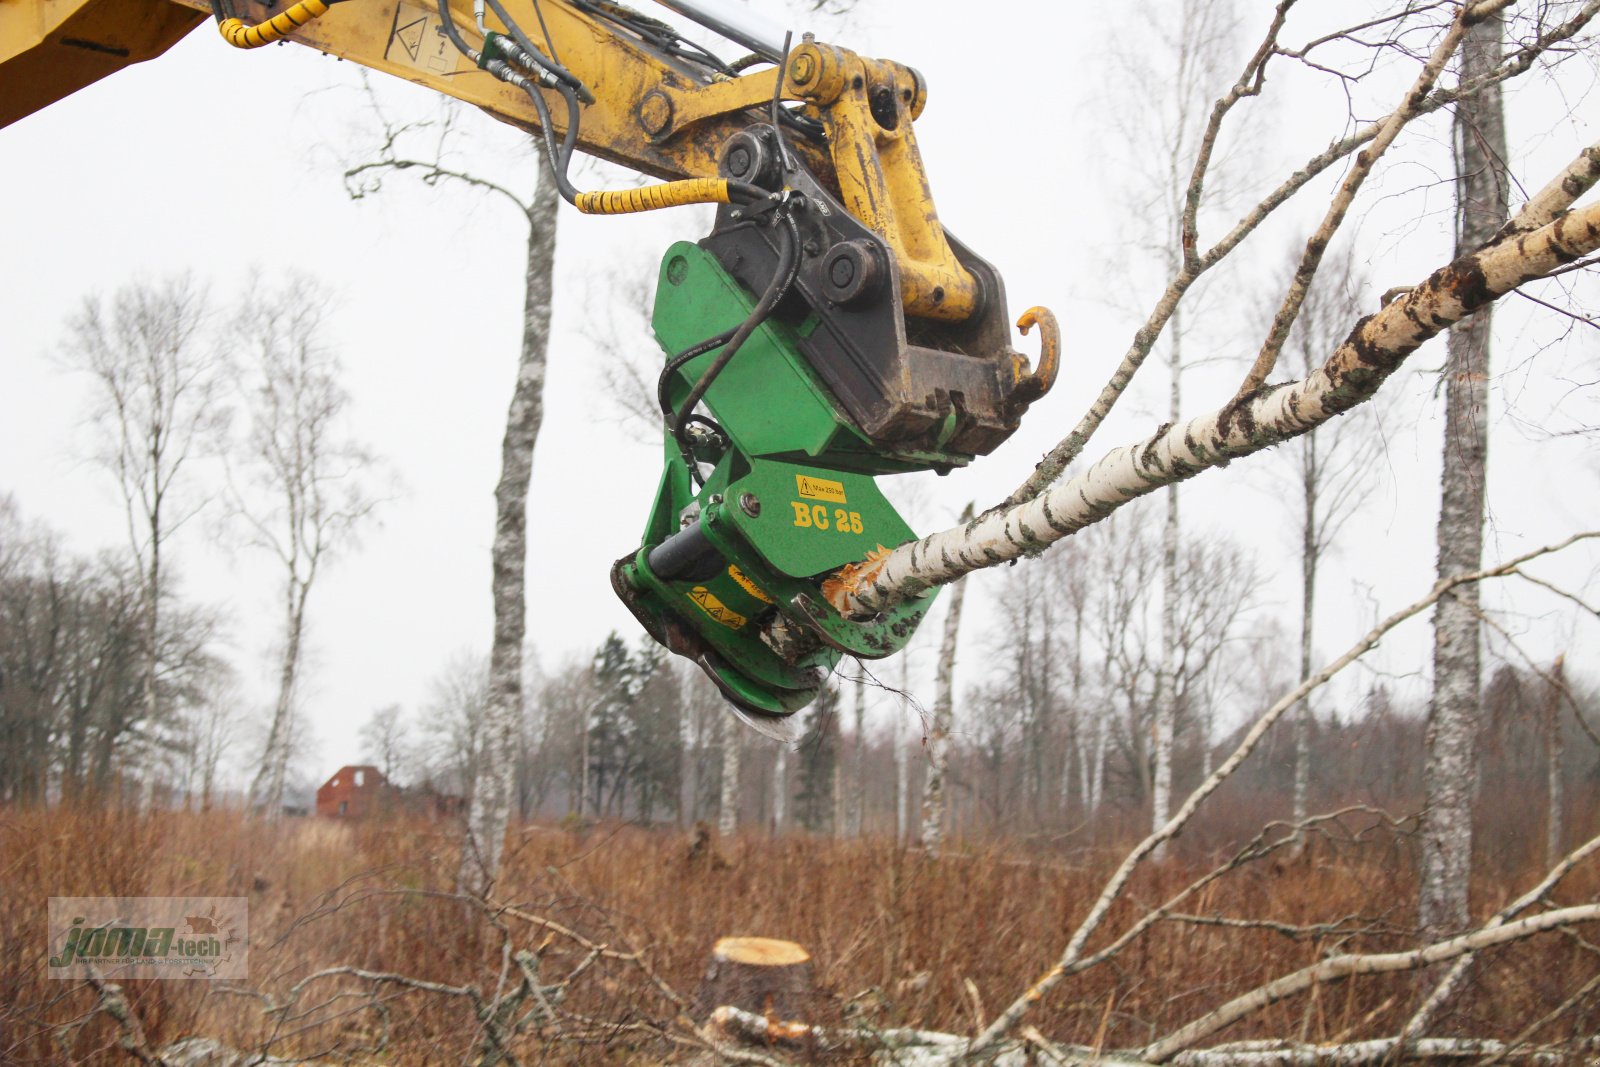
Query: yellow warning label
(820, 488)
(747, 585)
(708, 603)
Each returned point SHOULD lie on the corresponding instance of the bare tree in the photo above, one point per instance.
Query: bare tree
(385, 739)
(1330, 466)
(492, 794)
(1544, 238)
(1184, 55)
(302, 484)
(454, 738)
(1483, 195)
(208, 728)
(158, 409)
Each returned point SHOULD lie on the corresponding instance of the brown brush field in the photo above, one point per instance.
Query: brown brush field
(896, 937)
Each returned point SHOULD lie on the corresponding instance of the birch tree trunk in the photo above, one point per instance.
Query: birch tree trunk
(1309, 555)
(728, 814)
(1166, 696)
(266, 791)
(780, 791)
(943, 711)
(1554, 750)
(1546, 234)
(902, 759)
(858, 763)
(1450, 774)
(157, 410)
(492, 789)
(837, 824)
(302, 494)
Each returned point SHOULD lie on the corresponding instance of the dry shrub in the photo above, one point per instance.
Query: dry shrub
(896, 936)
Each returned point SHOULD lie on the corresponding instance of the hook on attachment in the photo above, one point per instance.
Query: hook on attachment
(1039, 382)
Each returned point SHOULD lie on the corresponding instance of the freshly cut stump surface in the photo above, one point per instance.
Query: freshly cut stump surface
(759, 974)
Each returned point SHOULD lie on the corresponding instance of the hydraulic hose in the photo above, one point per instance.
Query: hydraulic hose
(241, 35)
(652, 197)
(782, 278)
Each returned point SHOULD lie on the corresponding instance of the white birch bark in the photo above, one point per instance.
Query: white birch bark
(728, 813)
(1375, 349)
(1075, 958)
(1554, 829)
(1348, 965)
(933, 788)
(494, 784)
(780, 791)
(1450, 772)
(1166, 695)
(1310, 554)
(858, 763)
(302, 497)
(902, 758)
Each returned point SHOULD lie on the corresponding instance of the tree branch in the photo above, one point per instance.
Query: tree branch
(1350, 965)
(1073, 954)
(1375, 349)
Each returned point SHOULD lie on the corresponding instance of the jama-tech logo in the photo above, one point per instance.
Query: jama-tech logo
(148, 937)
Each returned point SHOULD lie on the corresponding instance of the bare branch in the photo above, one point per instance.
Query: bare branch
(1317, 244)
(1376, 348)
(1350, 965)
(1073, 953)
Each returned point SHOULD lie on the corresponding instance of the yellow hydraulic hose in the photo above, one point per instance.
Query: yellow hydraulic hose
(240, 35)
(651, 197)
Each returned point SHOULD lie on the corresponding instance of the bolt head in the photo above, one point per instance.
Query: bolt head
(750, 504)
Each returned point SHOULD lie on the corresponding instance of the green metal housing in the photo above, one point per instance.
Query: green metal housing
(790, 500)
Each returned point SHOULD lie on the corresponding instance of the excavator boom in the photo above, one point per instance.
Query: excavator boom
(828, 330)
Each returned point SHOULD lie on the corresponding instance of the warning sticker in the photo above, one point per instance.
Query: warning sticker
(820, 488)
(747, 585)
(417, 40)
(707, 602)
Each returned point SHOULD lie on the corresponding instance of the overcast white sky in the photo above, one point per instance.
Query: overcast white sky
(183, 164)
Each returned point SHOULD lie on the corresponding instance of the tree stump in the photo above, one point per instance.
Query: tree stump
(758, 974)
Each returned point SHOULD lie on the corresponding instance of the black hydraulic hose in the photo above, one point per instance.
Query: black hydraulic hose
(782, 278)
(537, 56)
(448, 21)
(683, 357)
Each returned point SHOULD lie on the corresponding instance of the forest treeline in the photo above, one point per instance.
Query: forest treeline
(1053, 736)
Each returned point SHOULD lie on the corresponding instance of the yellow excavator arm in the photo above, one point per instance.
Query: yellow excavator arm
(876, 343)
(650, 101)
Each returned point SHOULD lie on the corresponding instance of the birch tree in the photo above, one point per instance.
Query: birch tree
(302, 483)
(1544, 238)
(492, 795)
(1450, 774)
(1556, 694)
(385, 740)
(728, 797)
(158, 410)
(933, 786)
(1330, 466)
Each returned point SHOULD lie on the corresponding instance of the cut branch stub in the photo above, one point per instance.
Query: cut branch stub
(758, 974)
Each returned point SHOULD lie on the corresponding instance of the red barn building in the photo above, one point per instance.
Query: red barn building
(355, 793)
(361, 791)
